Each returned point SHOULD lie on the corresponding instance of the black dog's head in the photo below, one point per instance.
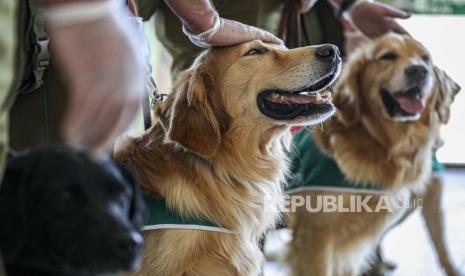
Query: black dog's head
(61, 210)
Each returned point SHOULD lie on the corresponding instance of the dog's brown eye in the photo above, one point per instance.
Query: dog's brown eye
(425, 58)
(389, 56)
(255, 51)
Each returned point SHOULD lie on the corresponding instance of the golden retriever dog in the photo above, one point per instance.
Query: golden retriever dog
(391, 102)
(216, 151)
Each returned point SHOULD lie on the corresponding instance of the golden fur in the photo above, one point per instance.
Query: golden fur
(370, 146)
(212, 154)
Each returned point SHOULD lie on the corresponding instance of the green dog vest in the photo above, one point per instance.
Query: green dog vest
(162, 217)
(311, 169)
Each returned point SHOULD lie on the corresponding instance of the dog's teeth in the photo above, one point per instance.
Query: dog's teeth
(318, 97)
(326, 94)
(275, 95)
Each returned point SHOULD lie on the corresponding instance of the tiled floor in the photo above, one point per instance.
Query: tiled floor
(408, 245)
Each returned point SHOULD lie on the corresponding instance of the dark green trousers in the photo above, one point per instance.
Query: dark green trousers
(36, 117)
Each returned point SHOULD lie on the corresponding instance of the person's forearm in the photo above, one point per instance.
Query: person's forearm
(197, 15)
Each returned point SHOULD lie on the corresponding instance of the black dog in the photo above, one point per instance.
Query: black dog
(64, 213)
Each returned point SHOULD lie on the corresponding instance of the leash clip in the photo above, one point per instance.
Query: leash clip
(157, 99)
(43, 57)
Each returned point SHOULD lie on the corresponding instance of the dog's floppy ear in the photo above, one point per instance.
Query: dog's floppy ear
(347, 90)
(446, 89)
(193, 115)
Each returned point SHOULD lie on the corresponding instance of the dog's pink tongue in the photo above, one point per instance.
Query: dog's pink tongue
(410, 104)
(301, 99)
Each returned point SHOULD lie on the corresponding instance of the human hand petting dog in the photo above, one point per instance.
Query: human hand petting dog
(227, 32)
(96, 48)
(205, 28)
(375, 19)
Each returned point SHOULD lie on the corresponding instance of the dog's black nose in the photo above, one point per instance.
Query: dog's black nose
(416, 72)
(128, 245)
(327, 52)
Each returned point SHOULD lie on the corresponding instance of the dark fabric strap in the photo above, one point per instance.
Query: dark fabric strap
(292, 28)
(146, 107)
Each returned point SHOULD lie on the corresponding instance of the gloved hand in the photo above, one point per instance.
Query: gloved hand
(374, 19)
(99, 57)
(205, 28)
(225, 32)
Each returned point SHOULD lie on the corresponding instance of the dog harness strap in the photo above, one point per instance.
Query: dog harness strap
(162, 217)
(292, 28)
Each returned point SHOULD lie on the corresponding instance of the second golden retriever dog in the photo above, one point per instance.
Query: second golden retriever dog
(216, 152)
(391, 101)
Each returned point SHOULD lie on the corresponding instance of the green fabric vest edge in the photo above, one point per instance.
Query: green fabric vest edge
(162, 217)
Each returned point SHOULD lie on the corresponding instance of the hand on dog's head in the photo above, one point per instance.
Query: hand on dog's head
(64, 212)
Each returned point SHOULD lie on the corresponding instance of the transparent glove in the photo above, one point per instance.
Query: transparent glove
(375, 19)
(226, 32)
(104, 70)
(145, 50)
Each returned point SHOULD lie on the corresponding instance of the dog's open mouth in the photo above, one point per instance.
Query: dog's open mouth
(311, 100)
(406, 103)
